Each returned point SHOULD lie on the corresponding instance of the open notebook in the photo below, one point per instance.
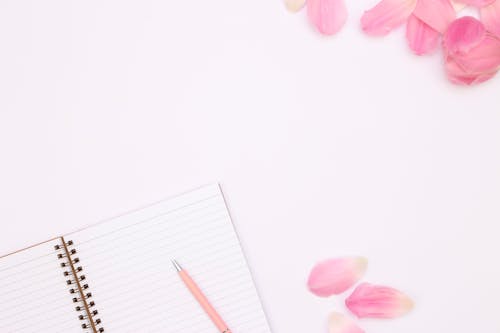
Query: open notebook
(117, 276)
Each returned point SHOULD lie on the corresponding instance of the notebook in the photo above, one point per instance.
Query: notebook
(117, 276)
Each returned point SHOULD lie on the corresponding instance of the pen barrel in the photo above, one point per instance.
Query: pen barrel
(205, 304)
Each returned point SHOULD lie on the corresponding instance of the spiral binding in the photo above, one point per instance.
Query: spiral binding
(78, 287)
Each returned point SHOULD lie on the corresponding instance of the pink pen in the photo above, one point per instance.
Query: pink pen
(200, 297)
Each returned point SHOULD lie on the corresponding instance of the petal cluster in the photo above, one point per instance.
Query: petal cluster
(334, 276)
(425, 21)
(471, 53)
(471, 48)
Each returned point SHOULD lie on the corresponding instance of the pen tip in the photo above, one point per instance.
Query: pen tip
(176, 265)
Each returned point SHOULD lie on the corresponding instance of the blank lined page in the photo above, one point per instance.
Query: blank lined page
(127, 262)
(34, 296)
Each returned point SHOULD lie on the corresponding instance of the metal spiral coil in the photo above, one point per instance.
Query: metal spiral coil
(78, 287)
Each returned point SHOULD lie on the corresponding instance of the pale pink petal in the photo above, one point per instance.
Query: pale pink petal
(456, 74)
(294, 5)
(463, 34)
(471, 54)
(476, 3)
(338, 323)
(483, 58)
(457, 5)
(490, 16)
(438, 14)
(334, 276)
(478, 65)
(371, 301)
(386, 15)
(421, 38)
(471, 46)
(328, 16)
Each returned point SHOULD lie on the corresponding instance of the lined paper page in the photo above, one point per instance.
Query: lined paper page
(136, 288)
(34, 296)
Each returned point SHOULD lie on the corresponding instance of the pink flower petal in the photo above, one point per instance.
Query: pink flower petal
(421, 38)
(490, 16)
(328, 16)
(478, 65)
(476, 3)
(471, 54)
(371, 301)
(457, 5)
(457, 75)
(294, 5)
(438, 14)
(463, 34)
(338, 323)
(334, 276)
(483, 58)
(386, 15)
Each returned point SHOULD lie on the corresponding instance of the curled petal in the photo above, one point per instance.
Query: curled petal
(458, 75)
(328, 16)
(338, 323)
(334, 276)
(386, 15)
(421, 38)
(478, 65)
(471, 54)
(371, 301)
(476, 3)
(483, 58)
(438, 14)
(294, 5)
(463, 35)
(490, 16)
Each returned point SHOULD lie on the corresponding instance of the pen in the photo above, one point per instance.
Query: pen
(201, 298)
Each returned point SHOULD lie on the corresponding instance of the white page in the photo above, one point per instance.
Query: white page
(134, 285)
(34, 296)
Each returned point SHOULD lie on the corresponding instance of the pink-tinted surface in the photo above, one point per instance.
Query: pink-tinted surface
(386, 15)
(339, 323)
(372, 301)
(421, 38)
(334, 276)
(471, 54)
(490, 16)
(328, 16)
(438, 14)
(476, 3)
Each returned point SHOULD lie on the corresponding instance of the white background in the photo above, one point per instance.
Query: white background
(324, 146)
